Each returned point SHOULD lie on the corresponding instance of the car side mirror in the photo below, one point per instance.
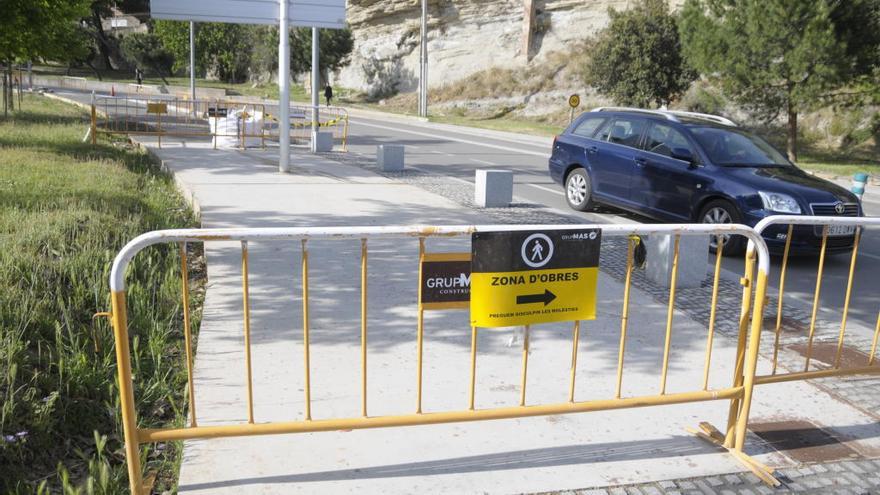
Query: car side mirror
(683, 154)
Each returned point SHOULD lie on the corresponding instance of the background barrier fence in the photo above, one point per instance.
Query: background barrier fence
(843, 231)
(228, 123)
(739, 393)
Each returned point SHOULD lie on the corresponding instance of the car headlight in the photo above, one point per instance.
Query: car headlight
(778, 202)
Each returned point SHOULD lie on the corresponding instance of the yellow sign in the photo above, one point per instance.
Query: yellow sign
(574, 101)
(527, 277)
(157, 108)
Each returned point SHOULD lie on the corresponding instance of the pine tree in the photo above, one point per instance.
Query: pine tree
(772, 56)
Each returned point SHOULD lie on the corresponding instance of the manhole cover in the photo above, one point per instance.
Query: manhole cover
(824, 353)
(802, 441)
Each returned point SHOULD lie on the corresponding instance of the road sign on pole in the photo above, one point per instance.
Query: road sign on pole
(308, 13)
(527, 277)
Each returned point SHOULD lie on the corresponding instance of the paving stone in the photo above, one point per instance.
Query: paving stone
(765, 490)
(805, 471)
(790, 473)
(617, 491)
(818, 468)
(667, 485)
(733, 479)
(705, 488)
(812, 483)
(751, 478)
(714, 481)
(854, 467)
(632, 490)
(598, 491)
(651, 490)
(687, 485)
(746, 491)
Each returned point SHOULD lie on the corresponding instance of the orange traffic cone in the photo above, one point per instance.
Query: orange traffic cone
(112, 90)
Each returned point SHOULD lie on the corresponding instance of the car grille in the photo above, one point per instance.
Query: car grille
(827, 209)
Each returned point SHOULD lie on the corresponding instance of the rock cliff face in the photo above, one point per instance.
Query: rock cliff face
(465, 36)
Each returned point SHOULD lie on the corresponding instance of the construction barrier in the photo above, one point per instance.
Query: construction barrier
(840, 232)
(330, 119)
(739, 392)
(227, 123)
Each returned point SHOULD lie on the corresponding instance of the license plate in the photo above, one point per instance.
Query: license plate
(838, 230)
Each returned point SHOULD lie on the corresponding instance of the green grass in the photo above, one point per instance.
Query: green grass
(66, 209)
(839, 165)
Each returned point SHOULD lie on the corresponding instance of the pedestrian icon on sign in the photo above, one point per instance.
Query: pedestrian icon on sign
(537, 250)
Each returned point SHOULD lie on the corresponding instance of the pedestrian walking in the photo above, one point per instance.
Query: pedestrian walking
(328, 94)
(138, 76)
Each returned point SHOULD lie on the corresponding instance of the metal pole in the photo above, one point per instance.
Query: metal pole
(284, 89)
(192, 62)
(423, 62)
(315, 82)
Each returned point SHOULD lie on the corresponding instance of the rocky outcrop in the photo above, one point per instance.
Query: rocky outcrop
(465, 36)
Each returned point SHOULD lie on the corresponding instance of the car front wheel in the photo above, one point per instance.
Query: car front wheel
(722, 212)
(578, 190)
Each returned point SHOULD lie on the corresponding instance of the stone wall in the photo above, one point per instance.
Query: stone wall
(466, 36)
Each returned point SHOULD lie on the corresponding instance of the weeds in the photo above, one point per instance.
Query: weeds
(66, 208)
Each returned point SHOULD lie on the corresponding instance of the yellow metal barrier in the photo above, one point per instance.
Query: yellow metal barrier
(739, 393)
(184, 118)
(822, 226)
(330, 119)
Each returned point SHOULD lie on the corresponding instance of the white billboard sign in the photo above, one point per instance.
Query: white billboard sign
(308, 13)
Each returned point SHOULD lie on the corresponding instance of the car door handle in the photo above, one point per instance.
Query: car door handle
(640, 162)
(592, 149)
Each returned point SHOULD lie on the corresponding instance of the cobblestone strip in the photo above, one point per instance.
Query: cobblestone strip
(839, 478)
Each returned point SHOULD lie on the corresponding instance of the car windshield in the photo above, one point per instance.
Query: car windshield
(737, 148)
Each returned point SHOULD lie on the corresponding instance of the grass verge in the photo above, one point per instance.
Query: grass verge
(66, 209)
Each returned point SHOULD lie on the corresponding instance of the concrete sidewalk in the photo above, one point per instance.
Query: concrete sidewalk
(235, 189)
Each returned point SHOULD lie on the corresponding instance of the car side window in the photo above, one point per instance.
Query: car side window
(623, 131)
(662, 139)
(588, 127)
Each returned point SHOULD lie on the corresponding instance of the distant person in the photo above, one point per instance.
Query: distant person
(138, 76)
(328, 94)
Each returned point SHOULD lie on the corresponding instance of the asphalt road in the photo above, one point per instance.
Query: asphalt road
(458, 152)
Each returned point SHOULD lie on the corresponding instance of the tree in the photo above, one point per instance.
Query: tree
(145, 50)
(772, 56)
(637, 58)
(44, 29)
(335, 50)
(221, 49)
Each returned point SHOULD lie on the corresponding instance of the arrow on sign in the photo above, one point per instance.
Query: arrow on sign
(547, 297)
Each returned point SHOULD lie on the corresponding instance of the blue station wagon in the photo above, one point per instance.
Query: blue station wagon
(690, 167)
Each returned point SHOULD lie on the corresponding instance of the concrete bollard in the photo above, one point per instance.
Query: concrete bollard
(493, 188)
(693, 255)
(389, 157)
(859, 181)
(322, 142)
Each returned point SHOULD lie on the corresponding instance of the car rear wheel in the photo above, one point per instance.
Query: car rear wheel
(722, 212)
(578, 190)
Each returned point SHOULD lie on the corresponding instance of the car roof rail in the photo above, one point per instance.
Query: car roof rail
(707, 116)
(671, 114)
(660, 113)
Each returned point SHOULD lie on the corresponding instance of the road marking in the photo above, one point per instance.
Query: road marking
(545, 188)
(465, 141)
(869, 255)
(481, 161)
